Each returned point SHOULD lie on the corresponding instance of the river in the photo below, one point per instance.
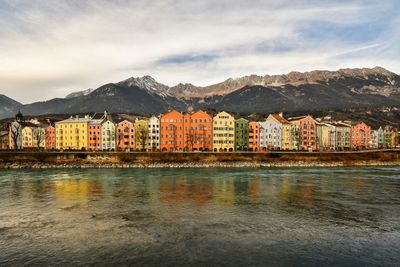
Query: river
(200, 217)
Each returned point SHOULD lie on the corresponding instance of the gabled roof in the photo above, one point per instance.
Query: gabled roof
(340, 124)
(98, 116)
(200, 112)
(297, 118)
(171, 112)
(279, 118)
(121, 122)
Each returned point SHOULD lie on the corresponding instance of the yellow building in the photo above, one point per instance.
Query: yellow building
(223, 132)
(27, 137)
(394, 139)
(72, 133)
(33, 137)
(141, 134)
(323, 136)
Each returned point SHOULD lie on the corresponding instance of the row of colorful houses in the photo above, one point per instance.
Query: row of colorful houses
(197, 131)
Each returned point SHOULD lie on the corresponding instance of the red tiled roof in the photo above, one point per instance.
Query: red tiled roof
(279, 118)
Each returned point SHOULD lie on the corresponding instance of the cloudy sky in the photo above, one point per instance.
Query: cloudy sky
(51, 48)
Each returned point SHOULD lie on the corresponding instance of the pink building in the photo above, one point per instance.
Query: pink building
(360, 136)
(308, 131)
(125, 136)
(50, 137)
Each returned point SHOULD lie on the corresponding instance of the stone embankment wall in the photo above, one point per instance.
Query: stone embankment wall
(187, 160)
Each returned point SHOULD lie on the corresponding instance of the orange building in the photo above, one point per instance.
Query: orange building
(308, 131)
(50, 137)
(171, 131)
(189, 132)
(198, 131)
(125, 136)
(360, 136)
(254, 136)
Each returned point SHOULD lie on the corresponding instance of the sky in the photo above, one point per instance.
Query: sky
(52, 48)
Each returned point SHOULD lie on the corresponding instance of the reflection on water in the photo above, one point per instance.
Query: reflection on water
(225, 217)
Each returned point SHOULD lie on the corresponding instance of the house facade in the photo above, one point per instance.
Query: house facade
(108, 135)
(308, 132)
(343, 135)
(254, 136)
(50, 137)
(4, 140)
(381, 138)
(322, 136)
(72, 133)
(125, 136)
(198, 130)
(223, 132)
(94, 137)
(360, 136)
(271, 133)
(154, 134)
(374, 139)
(33, 137)
(171, 131)
(141, 134)
(241, 135)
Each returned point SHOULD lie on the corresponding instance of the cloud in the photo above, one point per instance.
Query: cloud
(50, 48)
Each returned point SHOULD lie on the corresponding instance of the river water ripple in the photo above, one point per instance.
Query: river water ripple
(200, 217)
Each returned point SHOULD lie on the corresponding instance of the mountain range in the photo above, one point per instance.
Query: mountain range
(295, 91)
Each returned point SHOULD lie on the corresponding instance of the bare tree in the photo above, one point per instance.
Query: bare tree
(143, 134)
(39, 135)
(191, 139)
(15, 134)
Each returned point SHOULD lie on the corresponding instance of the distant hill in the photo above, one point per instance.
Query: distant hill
(8, 105)
(315, 90)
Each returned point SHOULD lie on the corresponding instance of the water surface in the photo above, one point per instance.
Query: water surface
(200, 217)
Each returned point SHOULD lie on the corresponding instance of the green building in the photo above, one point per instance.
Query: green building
(241, 135)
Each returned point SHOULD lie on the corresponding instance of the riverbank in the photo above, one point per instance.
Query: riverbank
(48, 160)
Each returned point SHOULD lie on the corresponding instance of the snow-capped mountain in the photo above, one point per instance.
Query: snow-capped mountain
(315, 90)
(80, 93)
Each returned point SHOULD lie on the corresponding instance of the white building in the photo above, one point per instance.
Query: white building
(154, 134)
(374, 143)
(108, 134)
(270, 134)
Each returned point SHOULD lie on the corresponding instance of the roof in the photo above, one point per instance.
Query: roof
(125, 121)
(95, 121)
(279, 118)
(74, 120)
(98, 116)
(339, 124)
(297, 118)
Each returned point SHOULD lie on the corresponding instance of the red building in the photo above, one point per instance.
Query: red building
(308, 131)
(50, 137)
(360, 136)
(94, 131)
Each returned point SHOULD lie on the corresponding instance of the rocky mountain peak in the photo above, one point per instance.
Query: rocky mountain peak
(146, 82)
